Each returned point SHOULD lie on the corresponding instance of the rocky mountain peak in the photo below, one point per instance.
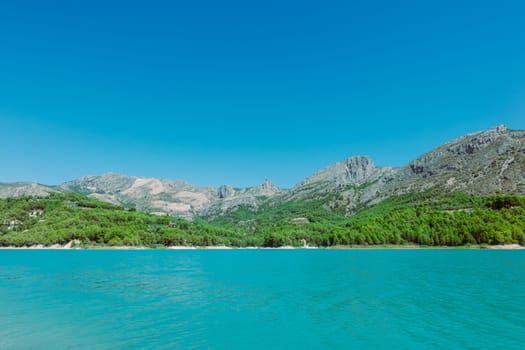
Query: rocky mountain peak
(267, 185)
(472, 143)
(502, 129)
(358, 168)
(354, 170)
(225, 191)
(267, 188)
(229, 198)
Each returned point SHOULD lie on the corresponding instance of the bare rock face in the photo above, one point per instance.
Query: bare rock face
(225, 191)
(299, 221)
(267, 188)
(479, 141)
(343, 178)
(354, 170)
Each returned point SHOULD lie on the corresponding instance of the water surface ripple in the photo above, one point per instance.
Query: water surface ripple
(260, 299)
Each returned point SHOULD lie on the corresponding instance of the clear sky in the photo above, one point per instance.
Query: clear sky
(234, 92)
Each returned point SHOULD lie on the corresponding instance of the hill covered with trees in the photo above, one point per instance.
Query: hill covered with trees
(427, 219)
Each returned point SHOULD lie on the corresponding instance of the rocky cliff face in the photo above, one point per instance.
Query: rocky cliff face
(491, 161)
(354, 170)
(342, 177)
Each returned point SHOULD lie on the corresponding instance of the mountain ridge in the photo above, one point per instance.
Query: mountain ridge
(483, 162)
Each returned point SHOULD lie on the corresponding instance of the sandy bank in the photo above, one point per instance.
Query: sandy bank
(505, 246)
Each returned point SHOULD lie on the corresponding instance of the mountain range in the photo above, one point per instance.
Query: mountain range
(485, 162)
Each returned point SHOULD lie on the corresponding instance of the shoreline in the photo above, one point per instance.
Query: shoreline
(69, 246)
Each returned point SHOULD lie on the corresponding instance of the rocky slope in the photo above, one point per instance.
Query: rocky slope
(17, 189)
(160, 196)
(491, 161)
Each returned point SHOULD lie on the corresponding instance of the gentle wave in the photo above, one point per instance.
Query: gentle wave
(239, 299)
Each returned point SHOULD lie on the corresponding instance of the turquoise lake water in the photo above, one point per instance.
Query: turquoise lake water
(262, 299)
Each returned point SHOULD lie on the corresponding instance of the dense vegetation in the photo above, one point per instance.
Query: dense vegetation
(61, 218)
(428, 218)
(431, 219)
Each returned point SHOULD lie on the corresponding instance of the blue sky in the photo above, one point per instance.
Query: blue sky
(235, 92)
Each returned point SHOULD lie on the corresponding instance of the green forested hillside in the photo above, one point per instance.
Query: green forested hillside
(60, 218)
(431, 219)
(428, 218)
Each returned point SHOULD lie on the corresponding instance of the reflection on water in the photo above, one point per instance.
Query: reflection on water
(262, 299)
